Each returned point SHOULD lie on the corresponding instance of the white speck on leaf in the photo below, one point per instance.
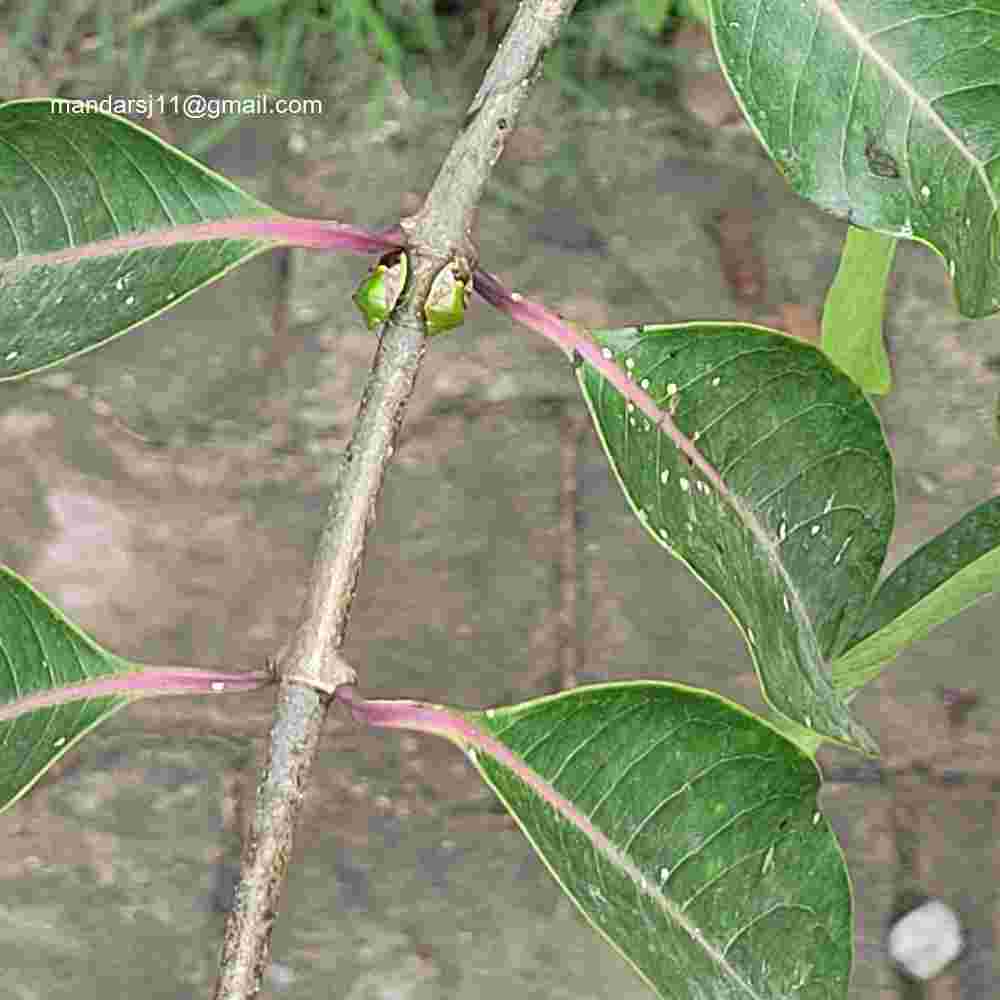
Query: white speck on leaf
(784, 600)
(685, 485)
(59, 742)
(716, 380)
(665, 476)
(814, 530)
(606, 353)
(130, 300)
(925, 192)
(644, 384)
(671, 388)
(782, 531)
(816, 817)
(630, 363)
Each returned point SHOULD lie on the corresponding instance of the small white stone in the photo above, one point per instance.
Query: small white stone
(926, 939)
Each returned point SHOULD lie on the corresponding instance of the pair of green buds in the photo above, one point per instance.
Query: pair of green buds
(379, 292)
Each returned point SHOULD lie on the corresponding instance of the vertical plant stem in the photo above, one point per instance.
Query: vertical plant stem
(310, 667)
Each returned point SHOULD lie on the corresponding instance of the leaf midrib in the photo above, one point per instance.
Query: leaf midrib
(602, 843)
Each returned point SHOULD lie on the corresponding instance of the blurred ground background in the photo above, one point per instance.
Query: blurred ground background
(166, 492)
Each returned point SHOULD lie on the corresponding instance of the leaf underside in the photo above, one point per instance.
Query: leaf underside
(794, 542)
(855, 307)
(686, 831)
(946, 575)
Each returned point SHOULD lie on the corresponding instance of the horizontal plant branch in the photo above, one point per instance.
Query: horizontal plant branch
(314, 234)
(153, 682)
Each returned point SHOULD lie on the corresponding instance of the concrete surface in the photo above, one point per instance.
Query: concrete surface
(166, 493)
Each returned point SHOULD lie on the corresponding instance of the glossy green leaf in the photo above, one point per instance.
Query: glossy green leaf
(793, 541)
(446, 301)
(687, 832)
(378, 294)
(947, 575)
(56, 684)
(885, 114)
(40, 650)
(852, 316)
(87, 205)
